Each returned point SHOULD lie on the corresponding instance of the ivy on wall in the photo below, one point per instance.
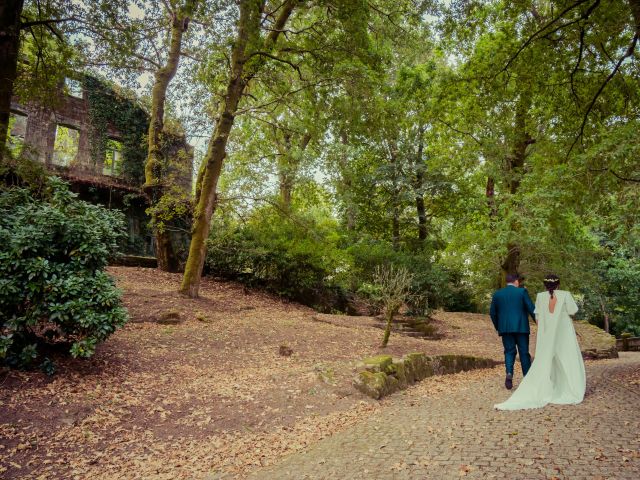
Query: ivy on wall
(107, 108)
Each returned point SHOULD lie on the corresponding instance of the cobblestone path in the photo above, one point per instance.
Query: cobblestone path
(459, 435)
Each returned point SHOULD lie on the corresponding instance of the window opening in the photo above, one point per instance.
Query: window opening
(17, 132)
(113, 158)
(65, 148)
(73, 87)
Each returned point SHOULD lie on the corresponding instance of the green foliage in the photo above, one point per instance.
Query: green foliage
(614, 290)
(46, 55)
(432, 285)
(300, 254)
(107, 107)
(292, 256)
(53, 287)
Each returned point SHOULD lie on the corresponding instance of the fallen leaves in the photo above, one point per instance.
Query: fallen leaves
(213, 394)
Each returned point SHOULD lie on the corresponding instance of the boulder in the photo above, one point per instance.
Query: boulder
(379, 363)
(170, 317)
(372, 384)
(594, 342)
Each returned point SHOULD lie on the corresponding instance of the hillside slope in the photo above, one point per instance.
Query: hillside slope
(213, 386)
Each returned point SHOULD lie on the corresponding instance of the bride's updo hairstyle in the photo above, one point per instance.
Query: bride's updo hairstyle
(551, 283)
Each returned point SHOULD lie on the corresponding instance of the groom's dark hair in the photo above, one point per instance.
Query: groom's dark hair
(512, 277)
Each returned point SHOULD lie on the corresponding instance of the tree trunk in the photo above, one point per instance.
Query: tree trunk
(154, 169)
(286, 189)
(285, 169)
(10, 11)
(605, 315)
(347, 184)
(514, 166)
(242, 71)
(419, 181)
(387, 329)
(515, 161)
(422, 218)
(395, 198)
(511, 263)
(491, 202)
(288, 167)
(168, 260)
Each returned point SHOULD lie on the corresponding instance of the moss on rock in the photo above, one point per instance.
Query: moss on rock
(372, 384)
(383, 375)
(379, 363)
(594, 342)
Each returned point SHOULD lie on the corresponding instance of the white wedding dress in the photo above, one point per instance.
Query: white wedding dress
(557, 374)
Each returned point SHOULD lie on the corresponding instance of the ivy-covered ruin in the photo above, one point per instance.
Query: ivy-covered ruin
(94, 135)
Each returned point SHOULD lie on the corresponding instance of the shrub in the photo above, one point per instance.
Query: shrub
(393, 290)
(433, 286)
(294, 256)
(53, 287)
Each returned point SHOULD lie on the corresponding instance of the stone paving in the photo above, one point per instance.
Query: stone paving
(459, 435)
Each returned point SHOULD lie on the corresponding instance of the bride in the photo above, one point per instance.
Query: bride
(557, 374)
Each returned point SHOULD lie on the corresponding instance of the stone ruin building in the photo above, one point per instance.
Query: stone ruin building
(95, 138)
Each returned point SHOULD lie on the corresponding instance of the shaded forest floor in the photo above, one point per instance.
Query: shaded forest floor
(209, 394)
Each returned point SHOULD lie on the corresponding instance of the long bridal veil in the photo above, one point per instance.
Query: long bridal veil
(557, 374)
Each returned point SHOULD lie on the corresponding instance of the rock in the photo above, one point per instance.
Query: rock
(383, 375)
(594, 342)
(170, 317)
(379, 363)
(285, 351)
(417, 367)
(445, 364)
(372, 384)
(400, 372)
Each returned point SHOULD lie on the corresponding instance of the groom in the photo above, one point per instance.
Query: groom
(510, 310)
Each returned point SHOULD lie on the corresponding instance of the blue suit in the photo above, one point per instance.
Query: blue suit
(510, 311)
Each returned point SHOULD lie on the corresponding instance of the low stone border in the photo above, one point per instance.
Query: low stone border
(628, 343)
(135, 261)
(594, 342)
(383, 375)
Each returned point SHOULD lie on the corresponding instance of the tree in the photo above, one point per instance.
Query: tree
(260, 26)
(40, 19)
(248, 56)
(10, 25)
(153, 41)
(155, 167)
(393, 290)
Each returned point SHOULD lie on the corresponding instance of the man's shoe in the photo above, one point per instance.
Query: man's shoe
(508, 382)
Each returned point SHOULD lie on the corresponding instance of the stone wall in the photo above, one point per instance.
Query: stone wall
(85, 172)
(594, 342)
(66, 111)
(627, 343)
(382, 375)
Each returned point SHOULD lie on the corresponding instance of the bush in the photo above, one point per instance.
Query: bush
(53, 287)
(433, 286)
(295, 257)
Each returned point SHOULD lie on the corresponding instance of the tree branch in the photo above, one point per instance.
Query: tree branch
(460, 131)
(48, 22)
(627, 54)
(282, 60)
(624, 179)
(534, 36)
